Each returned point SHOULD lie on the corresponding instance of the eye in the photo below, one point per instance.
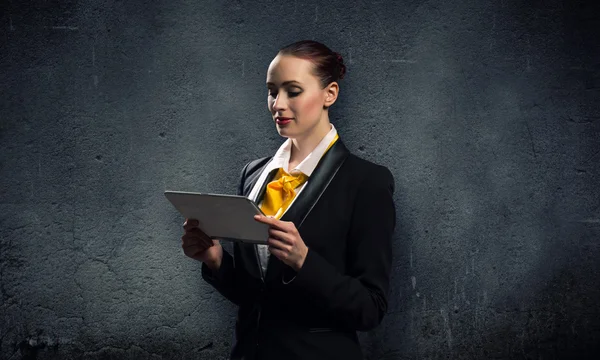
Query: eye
(291, 93)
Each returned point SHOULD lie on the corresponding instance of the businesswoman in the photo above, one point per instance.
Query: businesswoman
(324, 274)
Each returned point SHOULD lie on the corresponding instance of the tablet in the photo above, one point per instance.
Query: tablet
(225, 217)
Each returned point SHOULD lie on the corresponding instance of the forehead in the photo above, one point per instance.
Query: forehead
(286, 68)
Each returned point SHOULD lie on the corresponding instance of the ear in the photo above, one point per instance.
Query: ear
(331, 94)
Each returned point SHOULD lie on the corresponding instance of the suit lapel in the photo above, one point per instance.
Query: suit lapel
(248, 251)
(251, 179)
(318, 182)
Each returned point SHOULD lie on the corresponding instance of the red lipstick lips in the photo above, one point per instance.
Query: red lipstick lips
(282, 120)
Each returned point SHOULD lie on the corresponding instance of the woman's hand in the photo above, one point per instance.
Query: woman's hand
(199, 246)
(285, 241)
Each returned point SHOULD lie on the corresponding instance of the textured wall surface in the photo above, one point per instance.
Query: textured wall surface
(485, 111)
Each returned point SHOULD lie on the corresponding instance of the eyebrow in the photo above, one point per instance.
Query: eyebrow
(286, 82)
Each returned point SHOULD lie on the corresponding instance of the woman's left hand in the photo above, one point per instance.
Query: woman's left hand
(285, 241)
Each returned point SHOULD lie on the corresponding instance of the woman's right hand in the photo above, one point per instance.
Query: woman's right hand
(199, 246)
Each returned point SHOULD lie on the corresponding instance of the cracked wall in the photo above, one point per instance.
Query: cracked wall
(486, 113)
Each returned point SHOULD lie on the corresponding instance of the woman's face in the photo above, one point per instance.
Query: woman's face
(296, 94)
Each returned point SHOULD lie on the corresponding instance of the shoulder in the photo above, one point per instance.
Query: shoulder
(369, 173)
(250, 171)
(255, 165)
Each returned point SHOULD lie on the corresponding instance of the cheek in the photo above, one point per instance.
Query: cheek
(310, 105)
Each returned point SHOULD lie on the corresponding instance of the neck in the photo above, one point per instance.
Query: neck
(302, 146)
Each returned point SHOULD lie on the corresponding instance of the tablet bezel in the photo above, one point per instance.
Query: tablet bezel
(246, 199)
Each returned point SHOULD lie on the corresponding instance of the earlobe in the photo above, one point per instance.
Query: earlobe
(330, 99)
(332, 94)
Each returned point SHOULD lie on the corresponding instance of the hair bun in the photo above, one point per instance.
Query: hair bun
(340, 60)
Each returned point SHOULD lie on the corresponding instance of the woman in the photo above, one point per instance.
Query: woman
(325, 272)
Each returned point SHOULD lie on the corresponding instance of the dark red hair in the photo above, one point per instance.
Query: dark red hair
(328, 65)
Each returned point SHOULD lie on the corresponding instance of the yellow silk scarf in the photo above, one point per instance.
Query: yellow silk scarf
(280, 192)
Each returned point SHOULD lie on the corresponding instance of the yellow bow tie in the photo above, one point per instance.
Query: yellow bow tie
(280, 192)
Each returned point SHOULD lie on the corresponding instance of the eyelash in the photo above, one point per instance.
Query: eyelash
(292, 94)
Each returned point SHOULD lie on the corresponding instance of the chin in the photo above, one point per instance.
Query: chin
(285, 133)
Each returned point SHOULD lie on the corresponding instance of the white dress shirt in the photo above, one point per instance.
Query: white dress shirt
(281, 159)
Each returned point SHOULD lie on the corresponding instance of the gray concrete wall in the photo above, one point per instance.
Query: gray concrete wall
(486, 112)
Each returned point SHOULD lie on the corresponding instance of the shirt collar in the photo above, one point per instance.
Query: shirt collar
(281, 159)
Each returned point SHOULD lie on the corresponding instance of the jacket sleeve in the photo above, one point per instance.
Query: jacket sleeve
(357, 299)
(225, 279)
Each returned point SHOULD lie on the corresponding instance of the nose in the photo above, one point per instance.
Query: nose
(280, 102)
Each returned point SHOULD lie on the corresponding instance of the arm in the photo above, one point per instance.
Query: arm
(224, 278)
(358, 299)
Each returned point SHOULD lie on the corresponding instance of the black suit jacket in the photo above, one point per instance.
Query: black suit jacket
(346, 217)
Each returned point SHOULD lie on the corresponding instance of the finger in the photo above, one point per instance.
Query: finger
(190, 248)
(279, 253)
(263, 219)
(271, 221)
(266, 219)
(278, 244)
(190, 224)
(275, 251)
(193, 239)
(193, 252)
(281, 235)
(197, 232)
